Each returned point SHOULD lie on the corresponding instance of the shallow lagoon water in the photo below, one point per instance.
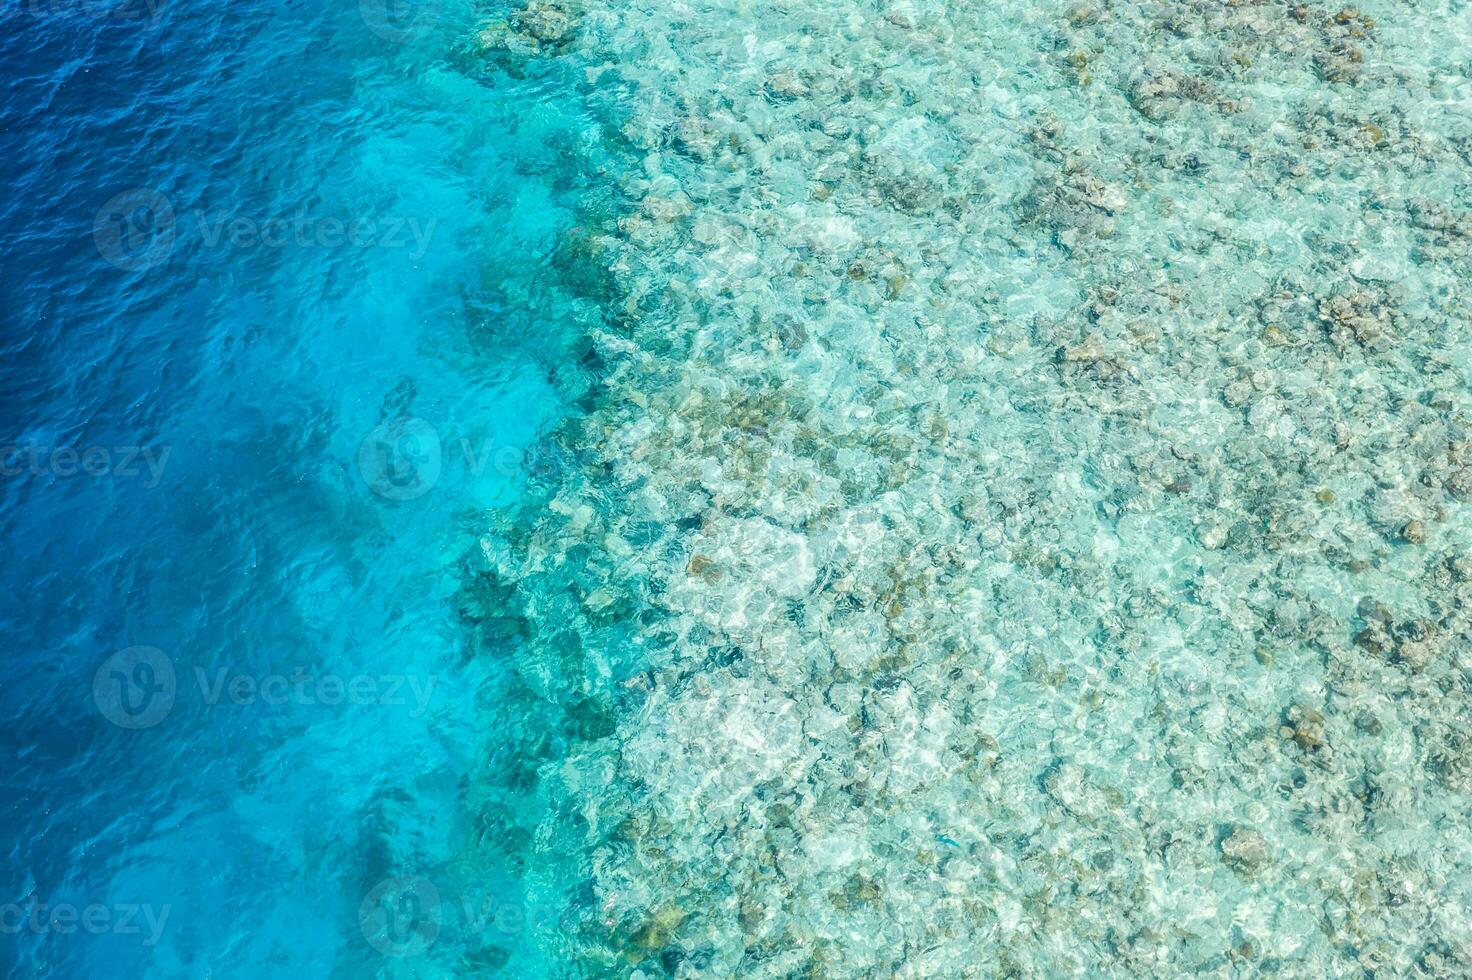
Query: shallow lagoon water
(1032, 456)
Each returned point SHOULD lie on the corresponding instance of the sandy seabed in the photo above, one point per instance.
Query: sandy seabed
(1021, 528)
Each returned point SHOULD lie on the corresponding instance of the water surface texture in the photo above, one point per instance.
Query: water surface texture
(247, 246)
(733, 489)
(1022, 527)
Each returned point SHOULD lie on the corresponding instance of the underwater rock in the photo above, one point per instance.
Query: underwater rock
(1075, 205)
(1450, 233)
(1342, 34)
(1306, 727)
(1360, 317)
(1064, 783)
(552, 23)
(786, 86)
(1412, 643)
(1244, 850)
(1159, 96)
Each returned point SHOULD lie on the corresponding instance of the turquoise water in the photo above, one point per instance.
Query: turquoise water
(732, 489)
(1032, 469)
(327, 224)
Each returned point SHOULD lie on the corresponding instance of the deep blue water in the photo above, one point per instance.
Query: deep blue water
(242, 244)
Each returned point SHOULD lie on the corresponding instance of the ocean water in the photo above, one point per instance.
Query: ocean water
(863, 489)
(279, 330)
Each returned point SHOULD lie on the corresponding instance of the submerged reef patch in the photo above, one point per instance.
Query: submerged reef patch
(1020, 528)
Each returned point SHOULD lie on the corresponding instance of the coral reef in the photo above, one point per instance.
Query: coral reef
(1020, 527)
